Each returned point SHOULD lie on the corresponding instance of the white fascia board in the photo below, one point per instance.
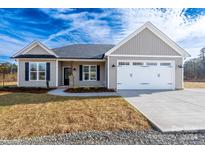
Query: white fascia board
(42, 59)
(25, 48)
(81, 60)
(36, 59)
(157, 32)
(160, 56)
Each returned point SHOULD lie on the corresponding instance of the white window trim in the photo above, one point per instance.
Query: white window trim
(89, 66)
(37, 71)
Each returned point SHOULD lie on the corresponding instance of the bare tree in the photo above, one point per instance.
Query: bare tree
(3, 68)
(202, 53)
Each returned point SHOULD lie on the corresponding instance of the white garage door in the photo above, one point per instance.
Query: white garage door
(145, 75)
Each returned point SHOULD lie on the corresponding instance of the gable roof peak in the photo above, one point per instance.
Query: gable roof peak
(158, 33)
(31, 46)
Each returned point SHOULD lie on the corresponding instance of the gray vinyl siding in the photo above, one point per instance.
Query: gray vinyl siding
(146, 43)
(37, 50)
(113, 70)
(77, 82)
(23, 83)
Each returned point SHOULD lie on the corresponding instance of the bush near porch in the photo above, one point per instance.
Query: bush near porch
(88, 89)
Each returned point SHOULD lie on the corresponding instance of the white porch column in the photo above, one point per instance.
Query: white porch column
(56, 73)
(108, 72)
(17, 72)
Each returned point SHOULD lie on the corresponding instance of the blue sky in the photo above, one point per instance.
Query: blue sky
(58, 27)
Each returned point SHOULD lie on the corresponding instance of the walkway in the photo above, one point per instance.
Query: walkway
(60, 92)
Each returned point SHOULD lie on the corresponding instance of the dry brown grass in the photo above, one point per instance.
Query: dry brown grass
(194, 84)
(8, 83)
(27, 115)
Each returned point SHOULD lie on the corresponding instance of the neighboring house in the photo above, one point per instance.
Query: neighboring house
(146, 59)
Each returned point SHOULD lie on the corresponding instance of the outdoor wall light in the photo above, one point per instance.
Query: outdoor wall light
(113, 65)
(180, 66)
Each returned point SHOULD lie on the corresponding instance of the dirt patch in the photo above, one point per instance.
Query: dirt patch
(89, 90)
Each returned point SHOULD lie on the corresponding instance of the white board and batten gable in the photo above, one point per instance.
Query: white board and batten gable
(147, 41)
(35, 48)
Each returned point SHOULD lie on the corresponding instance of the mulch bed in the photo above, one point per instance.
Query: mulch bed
(88, 90)
(25, 89)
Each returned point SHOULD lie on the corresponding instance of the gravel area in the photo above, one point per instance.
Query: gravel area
(119, 137)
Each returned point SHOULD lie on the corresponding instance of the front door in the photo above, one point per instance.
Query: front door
(67, 73)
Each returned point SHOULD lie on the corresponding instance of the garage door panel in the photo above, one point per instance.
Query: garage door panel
(145, 77)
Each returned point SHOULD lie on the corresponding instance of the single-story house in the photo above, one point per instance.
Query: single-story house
(146, 59)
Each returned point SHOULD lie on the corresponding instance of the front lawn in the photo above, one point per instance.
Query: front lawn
(194, 84)
(28, 114)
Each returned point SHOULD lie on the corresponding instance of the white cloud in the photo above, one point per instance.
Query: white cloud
(96, 30)
(10, 39)
(11, 45)
(188, 33)
(88, 27)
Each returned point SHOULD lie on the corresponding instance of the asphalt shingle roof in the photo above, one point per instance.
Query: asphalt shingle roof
(83, 51)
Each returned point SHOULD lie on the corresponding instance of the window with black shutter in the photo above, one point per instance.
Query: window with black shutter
(48, 71)
(98, 72)
(27, 71)
(80, 72)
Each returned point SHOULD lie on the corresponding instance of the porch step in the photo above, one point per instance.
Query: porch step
(63, 87)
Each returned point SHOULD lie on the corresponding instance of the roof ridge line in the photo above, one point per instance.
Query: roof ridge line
(81, 44)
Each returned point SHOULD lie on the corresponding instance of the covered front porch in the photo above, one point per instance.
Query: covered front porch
(81, 73)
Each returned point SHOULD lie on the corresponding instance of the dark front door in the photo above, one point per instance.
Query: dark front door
(67, 73)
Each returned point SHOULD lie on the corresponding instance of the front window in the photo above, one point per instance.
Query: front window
(89, 72)
(165, 64)
(37, 71)
(151, 64)
(123, 63)
(138, 63)
(41, 71)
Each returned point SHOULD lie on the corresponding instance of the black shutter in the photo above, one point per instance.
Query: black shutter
(48, 71)
(98, 72)
(80, 72)
(26, 71)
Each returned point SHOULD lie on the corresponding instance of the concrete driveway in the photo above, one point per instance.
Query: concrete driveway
(170, 111)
